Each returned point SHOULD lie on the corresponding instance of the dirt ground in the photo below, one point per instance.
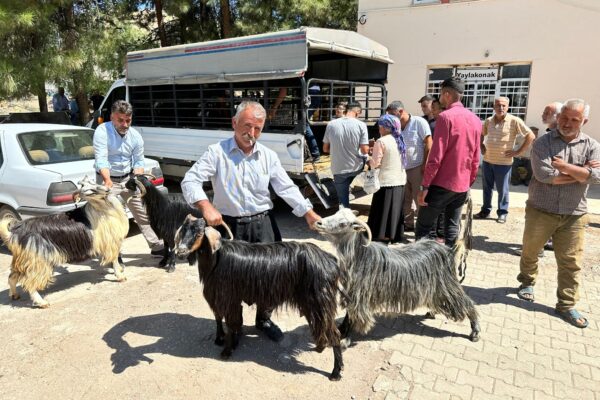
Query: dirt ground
(152, 336)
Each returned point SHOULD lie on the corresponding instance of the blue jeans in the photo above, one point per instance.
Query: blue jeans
(311, 141)
(342, 186)
(500, 176)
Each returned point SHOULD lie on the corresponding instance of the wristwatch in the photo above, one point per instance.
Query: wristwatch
(421, 188)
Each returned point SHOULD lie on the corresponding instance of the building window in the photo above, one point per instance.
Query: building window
(484, 83)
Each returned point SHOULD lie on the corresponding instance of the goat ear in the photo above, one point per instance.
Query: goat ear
(355, 212)
(214, 238)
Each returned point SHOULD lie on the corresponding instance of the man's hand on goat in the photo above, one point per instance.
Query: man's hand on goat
(311, 217)
(211, 215)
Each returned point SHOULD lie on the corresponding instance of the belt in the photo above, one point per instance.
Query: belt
(116, 178)
(247, 219)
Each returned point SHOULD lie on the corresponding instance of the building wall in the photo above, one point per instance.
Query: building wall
(560, 38)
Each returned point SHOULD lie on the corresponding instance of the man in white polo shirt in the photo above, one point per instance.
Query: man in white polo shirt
(417, 138)
(497, 142)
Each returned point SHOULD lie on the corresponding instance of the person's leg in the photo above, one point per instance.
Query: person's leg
(342, 188)
(411, 191)
(311, 141)
(502, 179)
(539, 226)
(436, 200)
(568, 250)
(140, 216)
(264, 231)
(452, 213)
(488, 187)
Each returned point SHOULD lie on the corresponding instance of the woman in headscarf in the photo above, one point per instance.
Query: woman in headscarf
(385, 218)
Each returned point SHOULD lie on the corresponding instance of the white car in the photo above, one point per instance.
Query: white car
(40, 165)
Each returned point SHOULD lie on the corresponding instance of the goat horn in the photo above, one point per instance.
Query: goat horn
(224, 225)
(152, 177)
(368, 230)
(140, 186)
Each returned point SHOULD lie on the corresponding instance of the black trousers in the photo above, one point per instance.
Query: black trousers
(439, 201)
(257, 230)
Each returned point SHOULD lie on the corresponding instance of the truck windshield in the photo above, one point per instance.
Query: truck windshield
(50, 147)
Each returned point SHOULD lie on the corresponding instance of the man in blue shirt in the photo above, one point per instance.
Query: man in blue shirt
(60, 101)
(119, 151)
(240, 170)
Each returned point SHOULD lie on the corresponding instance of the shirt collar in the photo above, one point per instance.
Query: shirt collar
(455, 104)
(113, 130)
(555, 134)
(231, 145)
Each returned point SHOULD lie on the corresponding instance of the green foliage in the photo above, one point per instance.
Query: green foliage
(82, 44)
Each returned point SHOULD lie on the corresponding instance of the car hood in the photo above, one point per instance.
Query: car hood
(70, 171)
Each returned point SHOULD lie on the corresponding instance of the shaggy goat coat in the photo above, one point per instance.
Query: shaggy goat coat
(382, 279)
(270, 275)
(166, 214)
(40, 244)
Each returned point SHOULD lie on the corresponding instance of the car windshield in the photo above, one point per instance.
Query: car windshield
(50, 147)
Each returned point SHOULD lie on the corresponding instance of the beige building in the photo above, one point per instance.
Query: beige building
(532, 51)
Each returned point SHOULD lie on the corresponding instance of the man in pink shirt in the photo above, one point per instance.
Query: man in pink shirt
(451, 166)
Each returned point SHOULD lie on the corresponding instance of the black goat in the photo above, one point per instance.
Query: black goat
(299, 275)
(378, 278)
(40, 244)
(166, 214)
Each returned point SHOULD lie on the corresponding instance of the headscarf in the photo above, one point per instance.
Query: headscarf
(392, 124)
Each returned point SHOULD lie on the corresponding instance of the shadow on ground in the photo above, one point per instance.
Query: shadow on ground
(500, 295)
(183, 335)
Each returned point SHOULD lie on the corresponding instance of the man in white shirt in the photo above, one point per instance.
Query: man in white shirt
(240, 170)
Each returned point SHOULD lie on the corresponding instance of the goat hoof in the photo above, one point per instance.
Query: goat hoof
(122, 279)
(335, 376)
(345, 343)
(162, 263)
(474, 337)
(43, 305)
(225, 354)
(15, 296)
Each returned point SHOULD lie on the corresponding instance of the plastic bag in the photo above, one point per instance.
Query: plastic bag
(371, 181)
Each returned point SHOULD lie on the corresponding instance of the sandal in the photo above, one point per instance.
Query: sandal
(526, 293)
(573, 317)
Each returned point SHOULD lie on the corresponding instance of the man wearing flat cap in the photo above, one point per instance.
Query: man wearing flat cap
(451, 166)
(426, 102)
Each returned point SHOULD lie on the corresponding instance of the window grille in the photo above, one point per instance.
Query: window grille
(479, 95)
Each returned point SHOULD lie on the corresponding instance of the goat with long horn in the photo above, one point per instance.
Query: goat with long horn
(377, 278)
(40, 244)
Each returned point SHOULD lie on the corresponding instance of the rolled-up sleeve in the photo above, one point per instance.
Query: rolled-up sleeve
(287, 190)
(594, 178)
(201, 171)
(100, 143)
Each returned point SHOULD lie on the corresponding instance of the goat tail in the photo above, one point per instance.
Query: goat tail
(5, 224)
